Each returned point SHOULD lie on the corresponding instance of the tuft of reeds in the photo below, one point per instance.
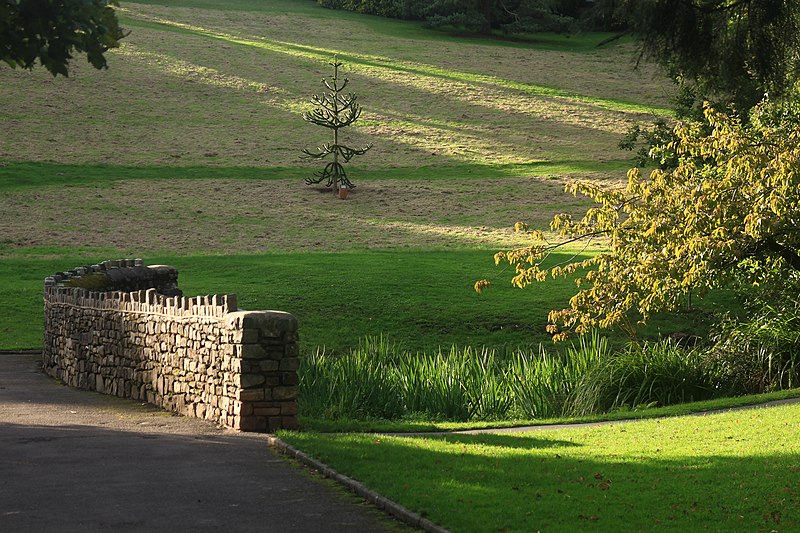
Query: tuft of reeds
(660, 373)
(379, 380)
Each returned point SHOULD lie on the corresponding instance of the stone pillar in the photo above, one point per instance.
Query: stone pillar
(265, 342)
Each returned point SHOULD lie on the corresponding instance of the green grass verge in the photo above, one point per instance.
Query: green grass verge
(423, 299)
(734, 471)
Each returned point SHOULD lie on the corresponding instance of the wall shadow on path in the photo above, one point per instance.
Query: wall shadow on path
(88, 478)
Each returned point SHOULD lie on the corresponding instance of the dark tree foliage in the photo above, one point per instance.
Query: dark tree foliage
(733, 51)
(485, 16)
(50, 31)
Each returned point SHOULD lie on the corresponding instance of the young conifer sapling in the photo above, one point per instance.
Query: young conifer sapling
(334, 110)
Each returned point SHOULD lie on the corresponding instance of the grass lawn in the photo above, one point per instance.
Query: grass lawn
(736, 471)
(187, 151)
(420, 299)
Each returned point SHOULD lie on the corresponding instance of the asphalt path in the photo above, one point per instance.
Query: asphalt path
(74, 460)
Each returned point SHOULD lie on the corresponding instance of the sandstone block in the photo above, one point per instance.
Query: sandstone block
(284, 393)
(247, 381)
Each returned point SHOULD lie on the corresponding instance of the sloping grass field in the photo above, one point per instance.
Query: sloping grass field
(187, 150)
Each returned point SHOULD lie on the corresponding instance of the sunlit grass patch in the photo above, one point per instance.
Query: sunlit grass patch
(726, 472)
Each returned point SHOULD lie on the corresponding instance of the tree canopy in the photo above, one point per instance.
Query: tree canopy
(484, 16)
(50, 31)
(734, 51)
(730, 208)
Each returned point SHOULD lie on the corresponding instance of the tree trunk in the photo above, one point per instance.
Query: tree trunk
(335, 160)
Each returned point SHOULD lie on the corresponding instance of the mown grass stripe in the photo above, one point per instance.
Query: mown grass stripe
(367, 61)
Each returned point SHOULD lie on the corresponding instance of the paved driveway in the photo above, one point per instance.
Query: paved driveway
(80, 461)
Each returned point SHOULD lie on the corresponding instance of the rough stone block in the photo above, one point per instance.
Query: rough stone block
(290, 363)
(252, 351)
(289, 422)
(284, 393)
(243, 336)
(253, 423)
(247, 381)
(289, 378)
(269, 365)
(251, 395)
(269, 323)
(267, 411)
(289, 408)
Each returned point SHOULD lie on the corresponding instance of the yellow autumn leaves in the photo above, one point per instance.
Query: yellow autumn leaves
(734, 197)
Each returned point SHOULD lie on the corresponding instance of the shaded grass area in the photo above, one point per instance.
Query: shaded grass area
(735, 471)
(25, 175)
(580, 42)
(414, 425)
(423, 299)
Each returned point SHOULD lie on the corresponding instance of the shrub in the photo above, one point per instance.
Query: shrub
(760, 354)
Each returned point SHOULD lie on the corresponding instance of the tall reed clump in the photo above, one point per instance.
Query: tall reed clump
(358, 385)
(762, 353)
(462, 384)
(660, 373)
(378, 380)
(543, 386)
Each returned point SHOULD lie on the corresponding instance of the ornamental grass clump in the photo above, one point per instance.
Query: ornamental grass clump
(642, 376)
(543, 384)
(378, 380)
(762, 353)
(358, 385)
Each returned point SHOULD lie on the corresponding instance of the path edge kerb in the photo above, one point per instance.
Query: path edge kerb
(381, 502)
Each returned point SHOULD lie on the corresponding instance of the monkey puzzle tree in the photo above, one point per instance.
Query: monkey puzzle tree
(335, 110)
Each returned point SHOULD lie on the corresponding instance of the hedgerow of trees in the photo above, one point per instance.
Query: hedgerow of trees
(484, 16)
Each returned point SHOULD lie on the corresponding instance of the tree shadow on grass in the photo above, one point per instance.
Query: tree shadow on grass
(502, 483)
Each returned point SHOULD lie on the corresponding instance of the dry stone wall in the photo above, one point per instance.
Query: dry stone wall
(125, 329)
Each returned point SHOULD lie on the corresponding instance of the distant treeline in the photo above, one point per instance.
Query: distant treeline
(513, 17)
